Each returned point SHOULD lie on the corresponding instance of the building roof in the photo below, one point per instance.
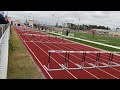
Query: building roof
(30, 20)
(17, 21)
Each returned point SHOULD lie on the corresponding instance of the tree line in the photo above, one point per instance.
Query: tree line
(85, 27)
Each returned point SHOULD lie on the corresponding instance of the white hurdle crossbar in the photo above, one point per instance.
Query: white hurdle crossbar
(96, 65)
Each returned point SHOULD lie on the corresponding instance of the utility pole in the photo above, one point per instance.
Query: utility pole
(117, 29)
(52, 19)
(79, 24)
(7, 13)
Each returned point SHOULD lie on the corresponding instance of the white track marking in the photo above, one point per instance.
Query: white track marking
(102, 59)
(103, 70)
(54, 60)
(91, 74)
(74, 63)
(90, 54)
(98, 69)
(38, 60)
(78, 43)
(103, 51)
(115, 69)
(108, 73)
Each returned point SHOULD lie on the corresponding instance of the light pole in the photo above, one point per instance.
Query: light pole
(32, 16)
(7, 13)
(79, 24)
(58, 21)
(25, 17)
(52, 19)
(71, 23)
(57, 18)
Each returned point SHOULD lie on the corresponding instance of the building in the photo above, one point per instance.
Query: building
(17, 23)
(9, 19)
(31, 23)
(100, 31)
(106, 32)
(114, 33)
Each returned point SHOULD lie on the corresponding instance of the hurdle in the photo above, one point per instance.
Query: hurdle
(65, 65)
(50, 38)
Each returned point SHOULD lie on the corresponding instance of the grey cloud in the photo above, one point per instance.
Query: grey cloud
(108, 18)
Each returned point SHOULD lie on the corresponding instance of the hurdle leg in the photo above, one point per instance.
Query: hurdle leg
(83, 60)
(97, 59)
(96, 63)
(49, 61)
(82, 64)
(67, 60)
(110, 59)
(48, 65)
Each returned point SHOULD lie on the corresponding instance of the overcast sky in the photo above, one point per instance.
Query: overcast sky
(105, 18)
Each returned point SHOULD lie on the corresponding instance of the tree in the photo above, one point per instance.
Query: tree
(117, 29)
(85, 27)
(60, 26)
(56, 25)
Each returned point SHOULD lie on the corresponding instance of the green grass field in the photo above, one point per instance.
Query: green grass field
(90, 44)
(20, 63)
(94, 45)
(115, 41)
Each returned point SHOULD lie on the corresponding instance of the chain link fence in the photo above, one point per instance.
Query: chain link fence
(4, 45)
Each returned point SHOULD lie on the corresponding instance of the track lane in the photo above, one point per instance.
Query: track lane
(67, 45)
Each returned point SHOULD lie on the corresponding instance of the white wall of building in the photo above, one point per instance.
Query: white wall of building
(31, 22)
(113, 33)
(17, 23)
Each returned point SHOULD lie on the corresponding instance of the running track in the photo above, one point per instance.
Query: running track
(39, 52)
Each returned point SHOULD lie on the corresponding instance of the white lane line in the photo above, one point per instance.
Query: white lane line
(98, 69)
(53, 59)
(73, 62)
(102, 59)
(37, 59)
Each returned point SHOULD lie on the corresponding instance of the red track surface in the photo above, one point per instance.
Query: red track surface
(39, 52)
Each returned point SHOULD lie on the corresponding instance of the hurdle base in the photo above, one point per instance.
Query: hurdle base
(66, 68)
(79, 67)
(105, 65)
(48, 69)
(85, 67)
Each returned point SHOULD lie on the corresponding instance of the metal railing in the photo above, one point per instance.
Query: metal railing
(4, 45)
